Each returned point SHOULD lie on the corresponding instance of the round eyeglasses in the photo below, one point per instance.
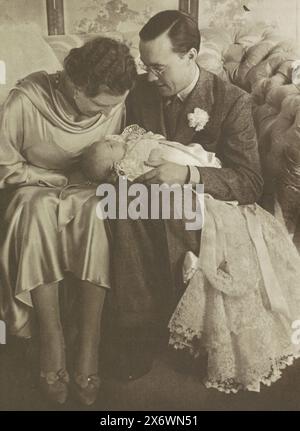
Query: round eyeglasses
(154, 70)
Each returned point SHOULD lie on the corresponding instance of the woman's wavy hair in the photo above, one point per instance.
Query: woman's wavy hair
(101, 62)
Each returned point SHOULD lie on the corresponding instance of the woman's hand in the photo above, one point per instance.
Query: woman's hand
(45, 177)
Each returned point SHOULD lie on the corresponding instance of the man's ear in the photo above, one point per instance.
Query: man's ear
(192, 54)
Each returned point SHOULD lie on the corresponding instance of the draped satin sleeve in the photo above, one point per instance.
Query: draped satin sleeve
(14, 168)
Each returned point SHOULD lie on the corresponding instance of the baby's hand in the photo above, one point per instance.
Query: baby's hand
(155, 154)
(115, 138)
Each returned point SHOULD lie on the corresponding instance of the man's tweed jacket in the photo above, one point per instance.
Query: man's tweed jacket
(229, 132)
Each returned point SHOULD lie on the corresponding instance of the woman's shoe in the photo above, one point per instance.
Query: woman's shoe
(55, 385)
(86, 388)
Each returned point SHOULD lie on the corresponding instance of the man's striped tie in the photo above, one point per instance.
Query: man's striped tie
(172, 107)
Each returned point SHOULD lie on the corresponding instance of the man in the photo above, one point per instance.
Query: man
(148, 254)
(169, 45)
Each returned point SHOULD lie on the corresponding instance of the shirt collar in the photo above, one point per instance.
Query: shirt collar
(183, 94)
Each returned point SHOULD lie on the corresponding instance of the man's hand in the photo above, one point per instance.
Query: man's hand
(164, 172)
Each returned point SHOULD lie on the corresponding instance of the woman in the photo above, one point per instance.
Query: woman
(51, 228)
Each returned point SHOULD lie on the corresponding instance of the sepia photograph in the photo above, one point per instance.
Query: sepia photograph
(149, 208)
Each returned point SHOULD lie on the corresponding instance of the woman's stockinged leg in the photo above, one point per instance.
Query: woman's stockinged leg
(52, 347)
(91, 299)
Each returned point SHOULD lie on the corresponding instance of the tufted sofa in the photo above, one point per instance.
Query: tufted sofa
(259, 60)
(256, 58)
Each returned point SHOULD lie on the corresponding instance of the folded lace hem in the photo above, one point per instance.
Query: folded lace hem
(183, 341)
(232, 386)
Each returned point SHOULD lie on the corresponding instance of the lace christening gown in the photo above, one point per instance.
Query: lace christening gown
(242, 297)
(243, 290)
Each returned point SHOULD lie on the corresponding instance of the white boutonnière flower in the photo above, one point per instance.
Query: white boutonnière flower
(198, 119)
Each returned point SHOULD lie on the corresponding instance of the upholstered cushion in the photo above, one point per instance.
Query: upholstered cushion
(214, 45)
(280, 131)
(263, 60)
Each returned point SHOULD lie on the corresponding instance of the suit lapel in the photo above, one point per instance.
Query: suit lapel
(201, 97)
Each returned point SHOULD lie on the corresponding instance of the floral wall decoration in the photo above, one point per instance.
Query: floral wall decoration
(237, 13)
(97, 16)
(110, 16)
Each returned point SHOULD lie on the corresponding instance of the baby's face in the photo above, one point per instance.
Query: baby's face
(110, 151)
(98, 161)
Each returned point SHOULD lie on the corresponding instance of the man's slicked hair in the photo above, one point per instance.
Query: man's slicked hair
(181, 28)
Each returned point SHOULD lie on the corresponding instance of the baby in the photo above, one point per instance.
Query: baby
(127, 154)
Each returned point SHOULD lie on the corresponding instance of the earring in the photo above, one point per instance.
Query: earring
(75, 94)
